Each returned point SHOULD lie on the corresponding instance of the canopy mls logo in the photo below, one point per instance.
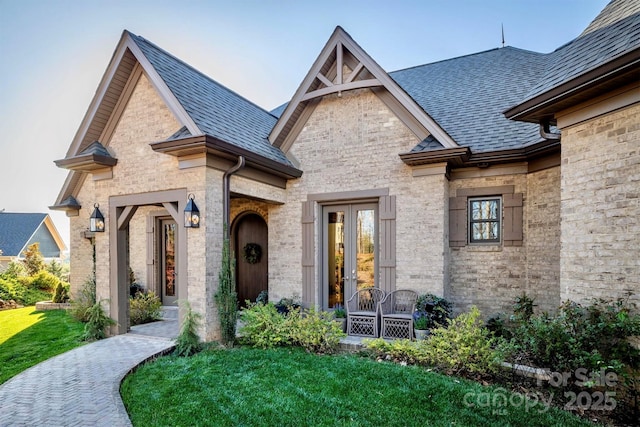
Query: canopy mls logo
(500, 400)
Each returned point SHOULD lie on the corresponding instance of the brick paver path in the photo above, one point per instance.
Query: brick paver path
(80, 387)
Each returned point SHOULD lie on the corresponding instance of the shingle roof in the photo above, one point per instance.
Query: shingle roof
(615, 31)
(16, 229)
(467, 96)
(215, 109)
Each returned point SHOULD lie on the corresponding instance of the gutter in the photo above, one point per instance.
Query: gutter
(546, 133)
(226, 194)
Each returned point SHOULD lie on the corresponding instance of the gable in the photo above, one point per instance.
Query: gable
(202, 107)
(344, 66)
(19, 230)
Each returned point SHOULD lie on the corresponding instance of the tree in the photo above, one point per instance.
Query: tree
(226, 298)
(33, 260)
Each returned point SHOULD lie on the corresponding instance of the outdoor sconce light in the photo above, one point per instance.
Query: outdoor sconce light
(96, 221)
(191, 214)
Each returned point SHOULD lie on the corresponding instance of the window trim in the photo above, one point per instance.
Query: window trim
(512, 215)
(471, 221)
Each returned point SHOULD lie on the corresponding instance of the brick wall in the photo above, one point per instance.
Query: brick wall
(488, 276)
(542, 231)
(601, 207)
(351, 143)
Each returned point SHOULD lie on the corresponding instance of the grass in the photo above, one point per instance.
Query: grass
(27, 337)
(288, 387)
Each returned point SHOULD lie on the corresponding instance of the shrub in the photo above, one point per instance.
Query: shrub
(226, 298)
(144, 308)
(263, 297)
(401, 350)
(315, 330)
(61, 294)
(285, 305)
(463, 346)
(264, 326)
(84, 299)
(588, 337)
(188, 341)
(14, 289)
(97, 322)
(14, 270)
(437, 310)
(44, 281)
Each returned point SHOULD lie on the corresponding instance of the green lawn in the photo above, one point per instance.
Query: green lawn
(288, 387)
(28, 337)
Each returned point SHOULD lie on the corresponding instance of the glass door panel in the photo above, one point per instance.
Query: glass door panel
(169, 293)
(364, 221)
(335, 255)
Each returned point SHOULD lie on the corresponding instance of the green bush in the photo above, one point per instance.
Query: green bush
(433, 309)
(44, 281)
(144, 308)
(401, 350)
(84, 299)
(14, 270)
(61, 294)
(263, 326)
(15, 289)
(266, 327)
(314, 330)
(577, 337)
(464, 346)
(97, 323)
(188, 342)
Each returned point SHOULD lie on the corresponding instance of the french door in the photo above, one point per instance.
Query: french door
(349, 250)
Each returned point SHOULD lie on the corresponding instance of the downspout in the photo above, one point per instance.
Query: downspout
(546, 133)
(226, 194)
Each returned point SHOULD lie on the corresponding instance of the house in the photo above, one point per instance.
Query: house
(18, 231)
(477, 178)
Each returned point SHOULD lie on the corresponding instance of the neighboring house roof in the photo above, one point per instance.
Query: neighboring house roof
(19, 230)
(466, 96)
(608, 49)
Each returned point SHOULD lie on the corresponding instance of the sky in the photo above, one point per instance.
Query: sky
(53, 54)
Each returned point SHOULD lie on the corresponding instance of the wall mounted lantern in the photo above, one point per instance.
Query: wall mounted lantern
(96, 221)
(191, 214)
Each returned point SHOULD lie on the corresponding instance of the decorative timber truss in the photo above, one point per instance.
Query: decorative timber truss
(342, 66)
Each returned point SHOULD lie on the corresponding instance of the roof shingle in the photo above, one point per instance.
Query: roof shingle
(466, 96)
(215, 109)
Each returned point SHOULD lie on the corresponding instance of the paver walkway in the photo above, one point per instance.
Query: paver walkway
(82, 387)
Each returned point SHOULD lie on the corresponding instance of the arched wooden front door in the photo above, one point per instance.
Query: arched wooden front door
(250, 242)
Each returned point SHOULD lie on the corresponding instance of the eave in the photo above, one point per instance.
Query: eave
(87, 162)
(458, 157)
(621, 71)
(455, 156)
(205, 144)
(70, 204)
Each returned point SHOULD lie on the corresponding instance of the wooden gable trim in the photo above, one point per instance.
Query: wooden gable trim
(330, 60)
(111, 97)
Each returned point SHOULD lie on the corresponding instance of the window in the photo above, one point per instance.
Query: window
(484, 220)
